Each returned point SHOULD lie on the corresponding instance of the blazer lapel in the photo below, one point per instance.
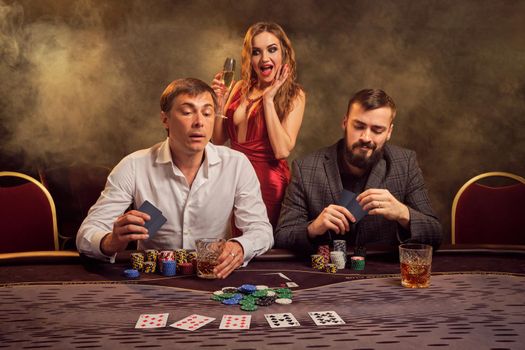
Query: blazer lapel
(377, 175)
(332, 172)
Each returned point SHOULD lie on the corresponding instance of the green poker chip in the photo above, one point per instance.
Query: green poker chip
(249, 307)
(259, 293)
(226, 295)
(216, 298)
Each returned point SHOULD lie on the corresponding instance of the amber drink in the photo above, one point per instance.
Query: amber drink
(208, 251)
(416, 262)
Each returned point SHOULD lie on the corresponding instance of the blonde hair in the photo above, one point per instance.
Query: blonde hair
(290, 89)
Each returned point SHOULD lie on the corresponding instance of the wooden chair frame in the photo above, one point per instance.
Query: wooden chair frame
(52, 207)
(467, 184)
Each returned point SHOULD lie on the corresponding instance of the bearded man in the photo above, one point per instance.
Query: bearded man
(386, 179)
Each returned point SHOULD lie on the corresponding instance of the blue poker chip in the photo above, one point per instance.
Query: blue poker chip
(247, 288)
(230, 301)
(131, 273)
(169, 268)
(237, 296)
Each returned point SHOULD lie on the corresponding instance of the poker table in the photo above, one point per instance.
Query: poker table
(476, 300)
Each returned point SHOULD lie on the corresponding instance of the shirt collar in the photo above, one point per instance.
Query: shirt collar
(164, 153)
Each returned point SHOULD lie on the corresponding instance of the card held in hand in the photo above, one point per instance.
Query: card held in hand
(348, 200)
(156, 218)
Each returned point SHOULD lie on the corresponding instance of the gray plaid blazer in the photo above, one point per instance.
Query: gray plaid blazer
(316, 183)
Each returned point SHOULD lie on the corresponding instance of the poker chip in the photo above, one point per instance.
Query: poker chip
(324, 251)
(338, 259)
(247, 288)
(340, 246)
(261, 287)
(131, 273)
(249, 307)
(137, 261)
(358, 262)
(229, 290)
(149, 266)
(151, 255)
(330, 268)
(249, 297)
(169, 268)
(265, 301)
(318, 262)
(259, 293)
(186, 268)
(231, 301)
(283, 301)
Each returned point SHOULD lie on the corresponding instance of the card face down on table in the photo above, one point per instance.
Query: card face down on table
(156, 218)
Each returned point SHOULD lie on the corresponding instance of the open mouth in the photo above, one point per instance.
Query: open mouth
(266, 69)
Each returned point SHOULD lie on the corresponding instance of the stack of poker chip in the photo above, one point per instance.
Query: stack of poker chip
(165, 255)
(251, 297)
(149, 266)
(324, 251)
(186, 268)
(318, 262)
(151, 254)
(358, 262)
(338, 259)
(169, 267)
(181, 255)
(331, 268)
(192, 257)
(340, 246)
(137, 261)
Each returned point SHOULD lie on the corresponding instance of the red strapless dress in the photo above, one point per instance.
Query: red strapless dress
(273, 174)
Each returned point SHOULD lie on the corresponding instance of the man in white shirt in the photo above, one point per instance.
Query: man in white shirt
(194, 183)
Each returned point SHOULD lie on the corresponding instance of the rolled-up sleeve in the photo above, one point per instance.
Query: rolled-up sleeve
(250, 213)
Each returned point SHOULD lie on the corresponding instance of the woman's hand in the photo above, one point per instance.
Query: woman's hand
(281, 76)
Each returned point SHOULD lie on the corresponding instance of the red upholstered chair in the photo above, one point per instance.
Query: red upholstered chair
(27, 214)
(483, 214)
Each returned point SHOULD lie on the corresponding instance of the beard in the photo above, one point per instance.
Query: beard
(362, 161)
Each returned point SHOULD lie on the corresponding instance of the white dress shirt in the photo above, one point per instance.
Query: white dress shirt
(225, 181)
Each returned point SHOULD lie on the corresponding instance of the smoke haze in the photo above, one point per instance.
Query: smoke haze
(81, 80)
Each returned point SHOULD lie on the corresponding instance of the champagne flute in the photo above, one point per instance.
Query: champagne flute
(228, 72)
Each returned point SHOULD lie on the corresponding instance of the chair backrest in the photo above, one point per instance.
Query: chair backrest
(27, 214)
(484, 214)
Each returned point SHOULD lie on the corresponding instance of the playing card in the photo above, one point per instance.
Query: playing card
(345, 198)
(235, 322)
(326, 318)
(152, 321)
(156, 218)
(192, 322)
(281, 320)
(348, 200)
(291, 285)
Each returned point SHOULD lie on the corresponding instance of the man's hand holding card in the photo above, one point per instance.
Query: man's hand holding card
(134, 225)
(338, 217)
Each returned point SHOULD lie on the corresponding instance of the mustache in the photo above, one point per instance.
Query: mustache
(368, 144)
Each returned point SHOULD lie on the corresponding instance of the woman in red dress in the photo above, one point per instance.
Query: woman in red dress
(263, 112)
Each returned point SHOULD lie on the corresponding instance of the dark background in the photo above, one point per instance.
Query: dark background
(81, 80)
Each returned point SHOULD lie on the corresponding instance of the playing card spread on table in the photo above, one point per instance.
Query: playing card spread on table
(281, 320)
(348, 200)
(152, 321)
(235, 322)
(192, 322)
(326, 318)
(156, 218)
